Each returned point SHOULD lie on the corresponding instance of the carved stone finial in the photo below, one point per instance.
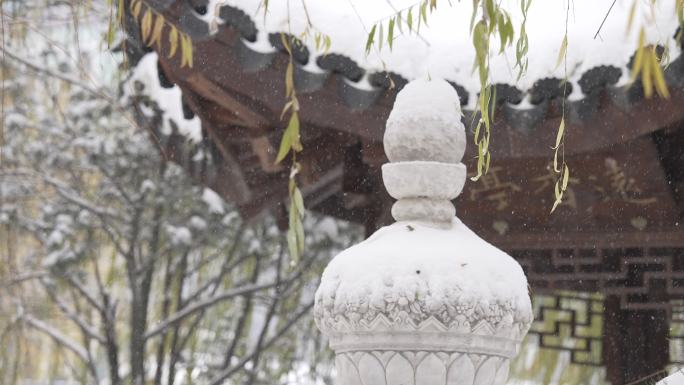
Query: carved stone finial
(425, 142)
(423, 302)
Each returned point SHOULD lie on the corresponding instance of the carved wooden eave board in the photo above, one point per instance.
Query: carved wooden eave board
(624, 150)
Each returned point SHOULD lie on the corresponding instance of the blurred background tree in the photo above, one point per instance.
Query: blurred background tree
(116, 268)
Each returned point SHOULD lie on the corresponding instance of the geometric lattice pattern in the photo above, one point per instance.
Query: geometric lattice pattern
(570, 322)
(643, 278)
(573, 322)
(677, 333)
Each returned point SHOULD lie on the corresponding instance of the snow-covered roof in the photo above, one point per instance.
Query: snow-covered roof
(443, 48)
(169, 99)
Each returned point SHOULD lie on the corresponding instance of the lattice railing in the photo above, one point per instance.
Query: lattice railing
(570, 322)
(642, 278)
(573, 322)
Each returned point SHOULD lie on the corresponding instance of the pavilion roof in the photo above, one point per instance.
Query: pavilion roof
(229, 105)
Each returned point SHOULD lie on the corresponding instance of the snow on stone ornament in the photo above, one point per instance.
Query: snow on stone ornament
(424, 301)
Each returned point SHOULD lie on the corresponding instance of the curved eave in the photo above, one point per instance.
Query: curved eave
(225, 65)
(238, 94)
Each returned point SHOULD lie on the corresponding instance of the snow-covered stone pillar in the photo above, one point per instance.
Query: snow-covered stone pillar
(424, 301)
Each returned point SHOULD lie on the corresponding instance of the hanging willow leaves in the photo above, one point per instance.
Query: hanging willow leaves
(390, 33)
(291, 144)
(369, 42)
(327, 43)
(522, 45)
(409, 19)
(562, 51)
(647, 65)
(559, 148)
(152, 25)
(560, 187)
(387, 33)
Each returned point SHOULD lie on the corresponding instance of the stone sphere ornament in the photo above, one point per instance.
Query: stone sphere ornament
(424, 301)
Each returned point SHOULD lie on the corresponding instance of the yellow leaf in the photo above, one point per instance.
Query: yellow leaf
(327, 44)
(294, 126)
(555, 161)
(190, 54)
(566, 177)
(630, 18)
(120, 11)
(287, 106)
(289, 79)
(646, 74)
(157, 30)
(390, 33)
(173, 41)
(298, 201)
(659, 78)
(369, 40)
(136, 7)
(186, 50)
(285, 146)
(292, 244)
(562, 51)
(146, 25)
(409, 19)
(639, 57)
(561, 132)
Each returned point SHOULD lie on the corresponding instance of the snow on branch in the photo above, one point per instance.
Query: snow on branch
(87, 329)
(223, 375)
(57, 336)
(206, 303)
(65, 78)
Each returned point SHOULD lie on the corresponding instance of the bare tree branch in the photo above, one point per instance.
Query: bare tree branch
(221, 376)
(64, 191)
(27, 276)
(57, 336)
(85, 292)
(86, 328)
(57, 75)
(206, 303)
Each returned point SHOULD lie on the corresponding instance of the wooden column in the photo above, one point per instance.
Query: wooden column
(635, 342)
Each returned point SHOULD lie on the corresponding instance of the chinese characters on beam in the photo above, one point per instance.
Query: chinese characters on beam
(611, 183)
